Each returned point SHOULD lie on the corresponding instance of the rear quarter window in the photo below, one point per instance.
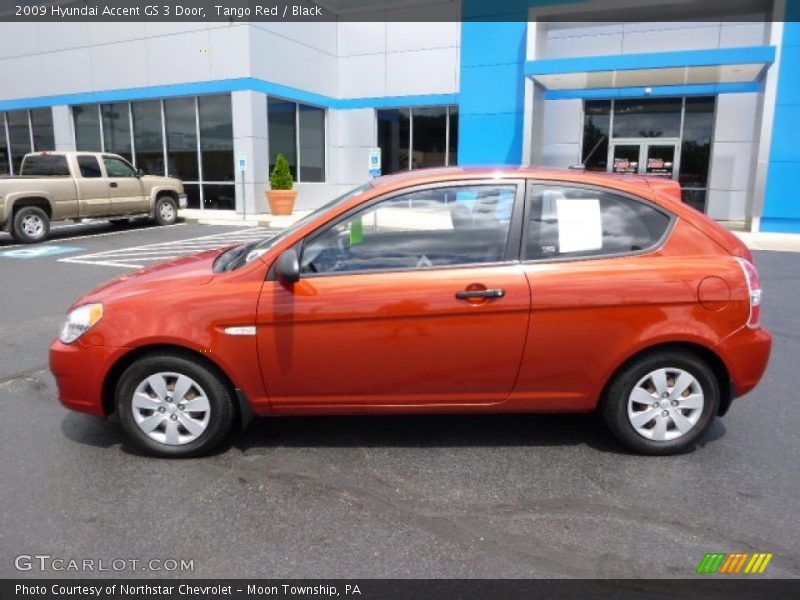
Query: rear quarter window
(574, 222)
(45, 166)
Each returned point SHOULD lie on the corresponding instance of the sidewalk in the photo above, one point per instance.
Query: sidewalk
(776, 242)
(229, 217)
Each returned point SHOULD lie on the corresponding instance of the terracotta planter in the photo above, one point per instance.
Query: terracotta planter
(281, 202)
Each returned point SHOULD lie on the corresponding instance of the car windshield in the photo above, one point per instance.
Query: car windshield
(241, 255)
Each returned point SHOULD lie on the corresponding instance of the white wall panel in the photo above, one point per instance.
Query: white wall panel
(422, 72)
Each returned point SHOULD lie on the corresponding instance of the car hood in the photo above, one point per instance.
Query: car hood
(192, 270)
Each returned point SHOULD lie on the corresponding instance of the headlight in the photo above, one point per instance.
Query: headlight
(79, 321)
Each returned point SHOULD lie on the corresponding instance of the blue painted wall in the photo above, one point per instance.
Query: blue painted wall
(782, 199)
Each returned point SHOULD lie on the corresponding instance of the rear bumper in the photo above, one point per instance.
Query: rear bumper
(746, 354)
(80, 372)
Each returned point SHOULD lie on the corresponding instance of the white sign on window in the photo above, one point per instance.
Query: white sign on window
(580, 225)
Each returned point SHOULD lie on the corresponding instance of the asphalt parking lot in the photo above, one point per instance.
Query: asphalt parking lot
(340, 497)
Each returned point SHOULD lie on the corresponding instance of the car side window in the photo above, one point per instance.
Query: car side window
(116, 167)
(89, 167)
(426, 228)
(574, 222)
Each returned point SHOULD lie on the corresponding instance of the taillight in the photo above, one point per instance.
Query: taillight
(754, 287)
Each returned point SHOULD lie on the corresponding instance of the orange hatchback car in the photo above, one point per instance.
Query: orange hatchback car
(448, 290)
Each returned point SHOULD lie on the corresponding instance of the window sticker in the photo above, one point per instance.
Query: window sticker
(580, 226)
(356, 231)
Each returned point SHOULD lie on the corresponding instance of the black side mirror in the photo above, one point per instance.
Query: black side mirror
(287, 267)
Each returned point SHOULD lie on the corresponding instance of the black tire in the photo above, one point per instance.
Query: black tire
(220, 398)
(166, 212)
(614, 405)
(31, 224)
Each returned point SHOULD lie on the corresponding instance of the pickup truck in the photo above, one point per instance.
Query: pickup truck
(54, 186)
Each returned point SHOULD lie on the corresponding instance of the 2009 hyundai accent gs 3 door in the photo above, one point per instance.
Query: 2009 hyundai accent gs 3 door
(454, 290)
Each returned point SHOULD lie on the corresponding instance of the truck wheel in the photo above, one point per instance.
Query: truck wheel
(31, 225)
(166, 211)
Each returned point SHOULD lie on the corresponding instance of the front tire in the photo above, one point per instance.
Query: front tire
(166, 211)
(174, 406)
(661, 402)
(31, 224)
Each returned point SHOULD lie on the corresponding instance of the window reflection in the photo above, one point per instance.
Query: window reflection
(423, 229)
(117, 129)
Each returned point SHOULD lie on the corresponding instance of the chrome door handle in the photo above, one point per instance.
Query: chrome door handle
(470, 294)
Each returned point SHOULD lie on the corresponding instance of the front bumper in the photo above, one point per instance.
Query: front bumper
(80, 371)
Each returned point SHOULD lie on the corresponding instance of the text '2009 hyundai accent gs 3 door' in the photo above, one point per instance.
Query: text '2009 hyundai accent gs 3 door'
(456, 290)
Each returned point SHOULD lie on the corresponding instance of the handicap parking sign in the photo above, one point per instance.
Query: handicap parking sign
(38, 251)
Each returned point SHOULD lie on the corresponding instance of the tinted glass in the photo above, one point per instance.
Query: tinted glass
(87, 128)
(192, 191)
(147, 136)
(698, 128)
(596, 122)
(430, 137)
(216, 137)
(181, 138)
(89, 166)
(312, 143)
(222, 197)
(43, 136)
(569, 222)
(117, 129)
(19, 135)
(393, 138)
(5, 165)
(117, 168)
(423, 229)
(647, 117)
(452, 149)
(46, 166)
(282, 133)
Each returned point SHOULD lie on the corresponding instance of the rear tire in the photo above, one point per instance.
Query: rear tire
(174, 406)
(661, 402)
(166, 211)
(31, 224)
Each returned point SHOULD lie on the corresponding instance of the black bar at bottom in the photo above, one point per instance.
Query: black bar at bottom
(732, 588)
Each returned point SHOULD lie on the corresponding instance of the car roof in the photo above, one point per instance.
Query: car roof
(440, 174)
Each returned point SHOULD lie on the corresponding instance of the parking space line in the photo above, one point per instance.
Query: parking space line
(82, 237)
(137, 257)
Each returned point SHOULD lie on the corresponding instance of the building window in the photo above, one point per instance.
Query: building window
(189, 138)
(307, 150)
(21, 132)
(670, 137)
(148, 136)
(415, 138)
(117, 129)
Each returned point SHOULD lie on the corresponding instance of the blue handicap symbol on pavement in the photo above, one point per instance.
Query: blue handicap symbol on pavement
(38, 251)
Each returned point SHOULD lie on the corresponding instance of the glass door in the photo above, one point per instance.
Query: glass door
(625, 159)
(660, 161)
(645, 157)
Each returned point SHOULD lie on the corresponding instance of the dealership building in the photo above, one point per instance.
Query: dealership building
(709, 96)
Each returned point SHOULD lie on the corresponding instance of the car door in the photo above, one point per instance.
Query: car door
(599, 285)
(417, 299)
(93, 192)
(126, 192)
